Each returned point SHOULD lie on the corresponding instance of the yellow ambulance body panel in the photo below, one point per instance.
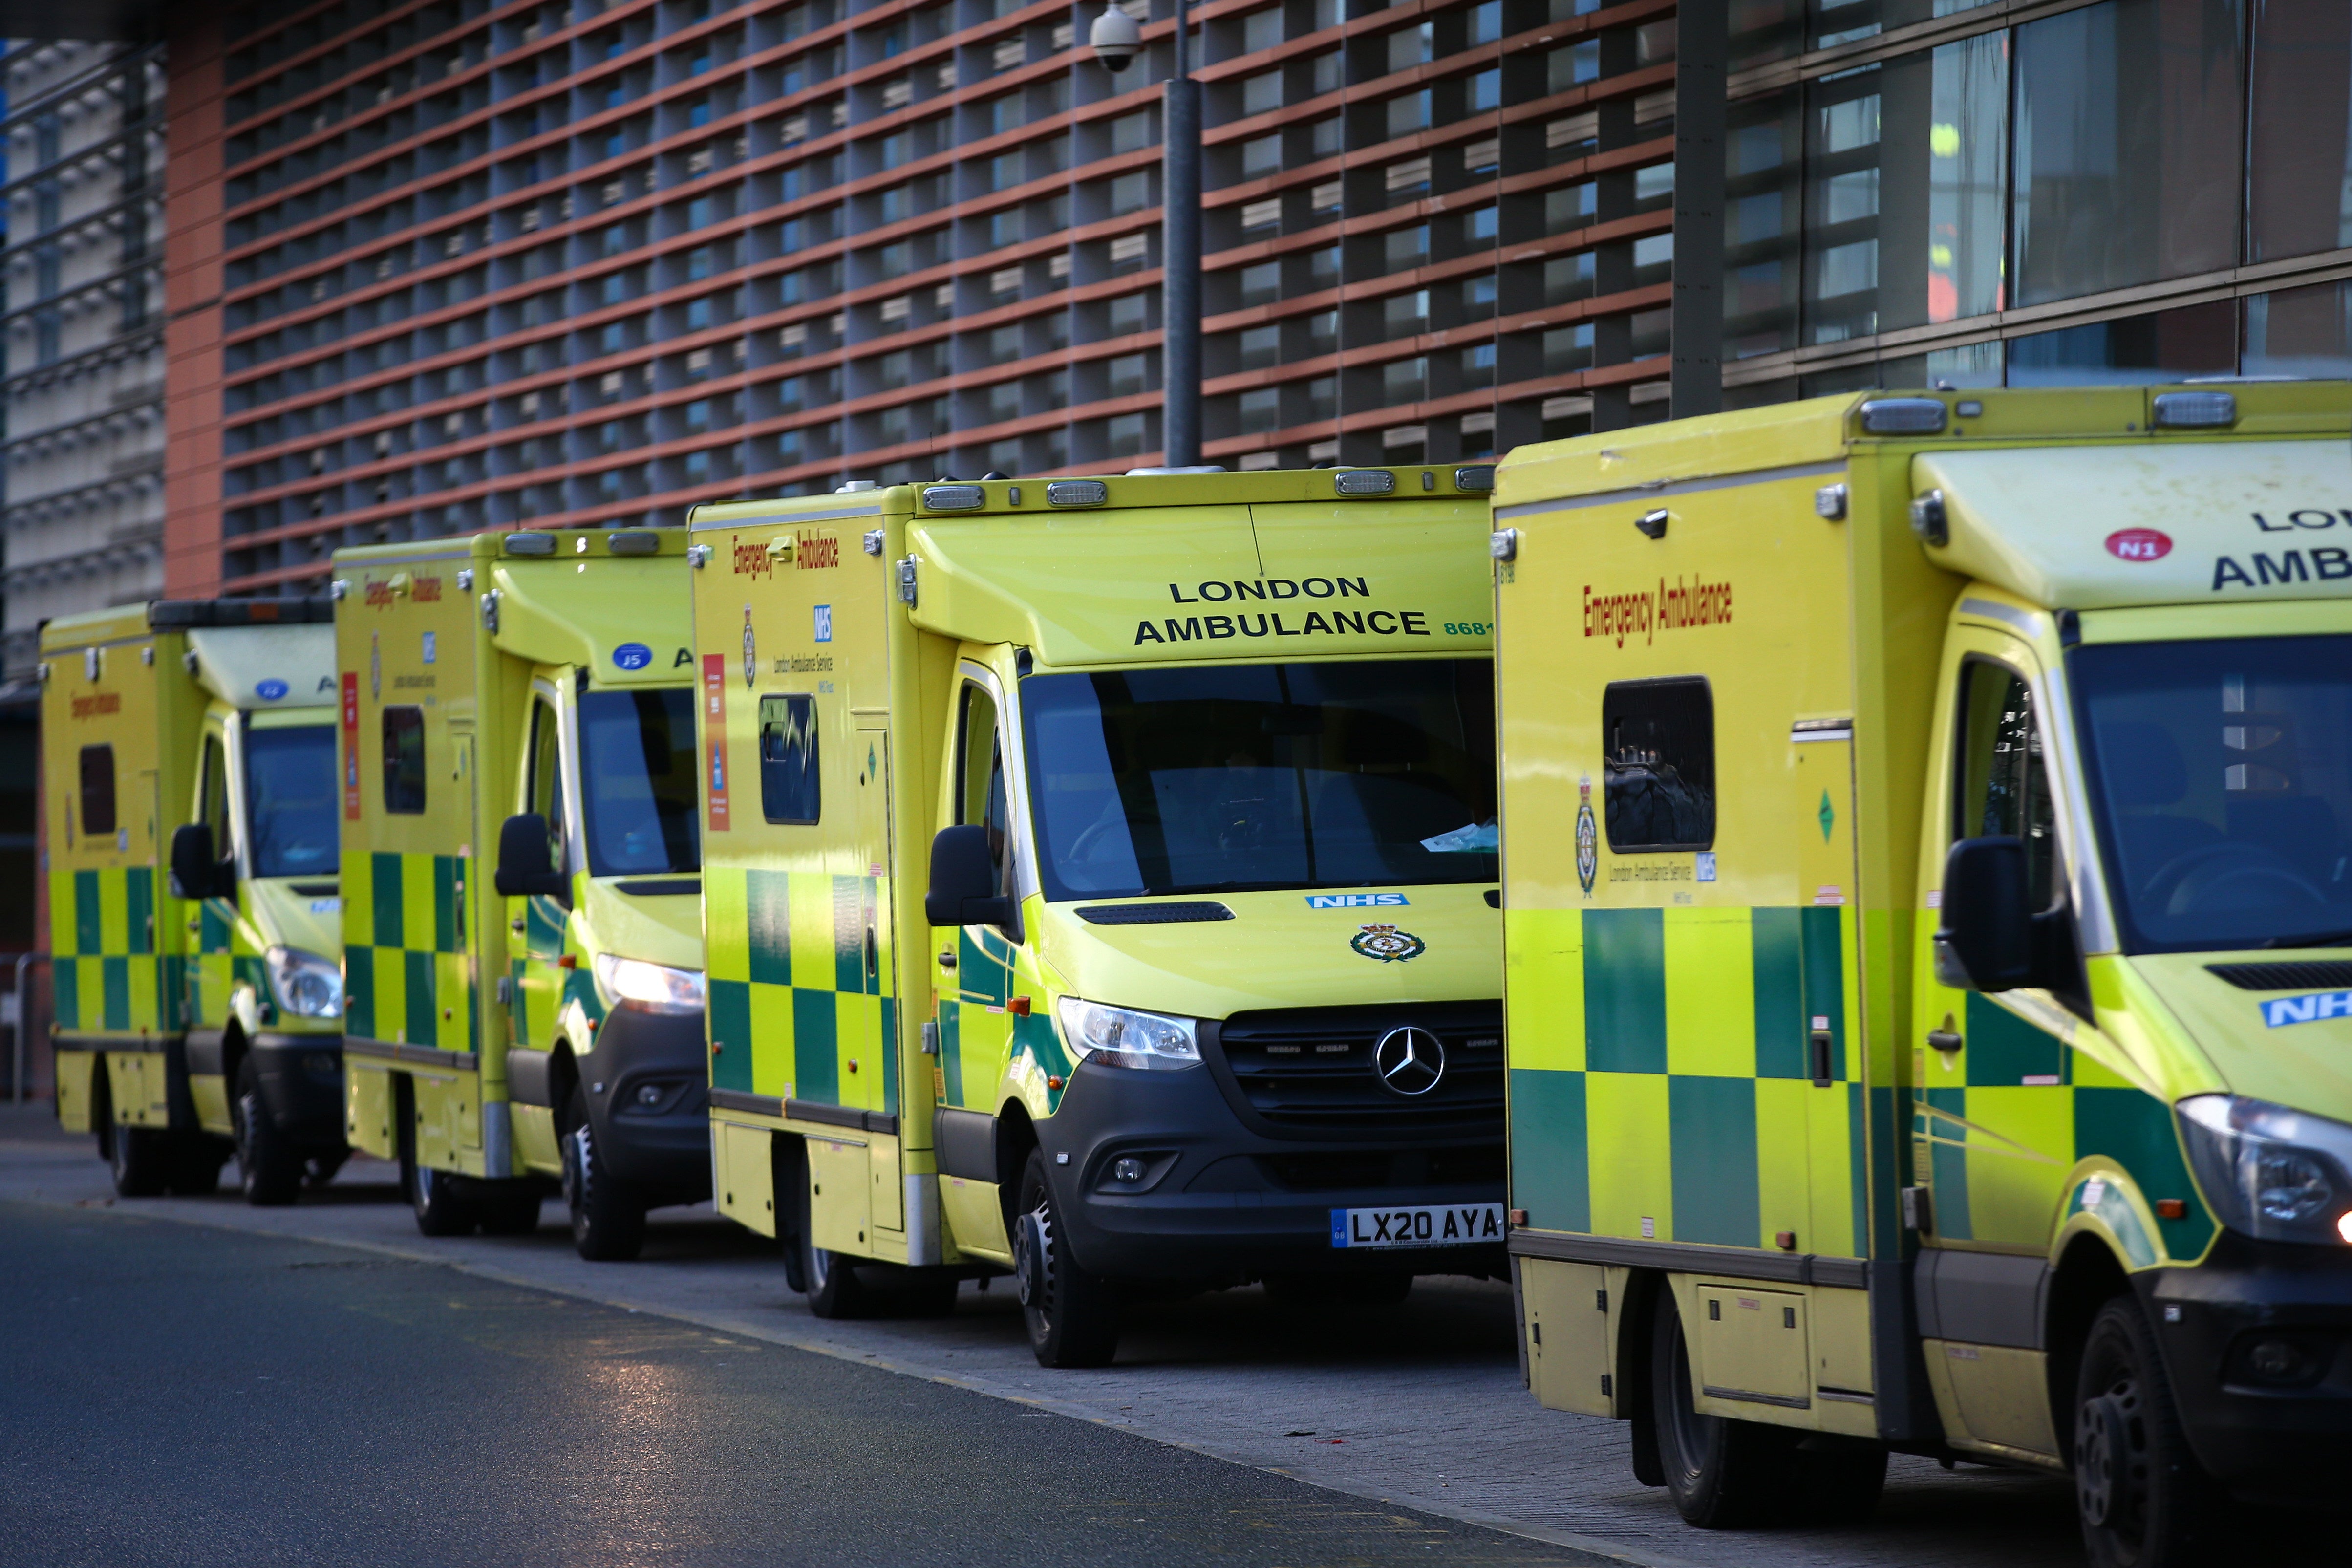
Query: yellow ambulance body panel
(1151, 702)
(1903, 798)
(208, 1021)
(496, 1041)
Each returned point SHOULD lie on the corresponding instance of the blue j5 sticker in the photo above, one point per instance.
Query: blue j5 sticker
(270, 690)
(632, 656)
(2308, 1009)
(1355, 901)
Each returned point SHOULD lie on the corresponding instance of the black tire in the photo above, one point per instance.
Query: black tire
(834, 1285)
(608, 1220)
(196, 1160)
(443, 1203)
(1722, 1474)
(320, 1170)
(1071, 1315)
(509, 1208)
(2143, 1500)
(268, 1167)
(140, 1158)
(1338, 1290)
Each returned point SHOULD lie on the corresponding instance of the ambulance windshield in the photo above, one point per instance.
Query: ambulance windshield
(637, 779)
(1208, 778)
(2225, 786)
(290, 794)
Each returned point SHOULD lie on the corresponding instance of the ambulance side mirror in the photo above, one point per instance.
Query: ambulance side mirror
(964, 882)
(523, 864)
(195, 874)
(1985, 939)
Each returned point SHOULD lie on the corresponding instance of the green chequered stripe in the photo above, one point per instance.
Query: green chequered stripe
(108, 976)
(792, 1000)
(1661, 1072)
(1996, 1133)
(407, 974)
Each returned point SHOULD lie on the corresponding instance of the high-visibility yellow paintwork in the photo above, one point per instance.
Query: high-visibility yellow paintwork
(830, 1018)
(134, 969)
(442, 973)
(1661, 1006)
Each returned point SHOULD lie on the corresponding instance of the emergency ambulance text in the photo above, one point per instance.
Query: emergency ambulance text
(1646, 613)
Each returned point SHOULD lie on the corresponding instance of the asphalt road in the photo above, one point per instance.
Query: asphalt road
(186, 1396)
(1412, 1413)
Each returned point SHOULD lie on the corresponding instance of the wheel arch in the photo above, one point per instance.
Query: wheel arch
(1016, 1136)
(2088, 1276)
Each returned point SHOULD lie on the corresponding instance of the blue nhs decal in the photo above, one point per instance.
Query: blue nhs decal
(2308, 1009)
(1355, 901)
(632, 656)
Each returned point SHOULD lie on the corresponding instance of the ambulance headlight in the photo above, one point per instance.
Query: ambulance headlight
(1121, 1037)
(304, 983)
(2269, 1171)
(651, 987)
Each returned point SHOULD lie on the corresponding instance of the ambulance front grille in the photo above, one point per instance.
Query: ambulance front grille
(1307, 1071)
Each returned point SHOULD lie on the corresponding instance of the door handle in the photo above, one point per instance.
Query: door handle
(947, 959)
(1944, 1040)
(515, 926)
(1818, 1045)
(873, 956)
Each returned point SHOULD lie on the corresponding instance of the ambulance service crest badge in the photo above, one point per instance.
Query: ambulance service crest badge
(1386, 943)
(751, 651)
(1588, 838)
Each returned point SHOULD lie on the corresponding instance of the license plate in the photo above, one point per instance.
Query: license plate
(1458, 1225)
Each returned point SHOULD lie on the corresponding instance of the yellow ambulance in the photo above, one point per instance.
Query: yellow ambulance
(522, 919)
(1101, 886)
(1926, 858)
(189, 767)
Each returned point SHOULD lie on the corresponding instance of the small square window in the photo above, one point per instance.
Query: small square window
(98, 789)
(1658, 763)
(404, 761)
(790, 788)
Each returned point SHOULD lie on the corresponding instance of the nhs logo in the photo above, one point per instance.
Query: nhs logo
(1355, 901)
(2307, 1009)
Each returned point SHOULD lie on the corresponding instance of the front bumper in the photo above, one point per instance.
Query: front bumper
(2271, 1426)
(1218, 1202)
(649, 1102)
(301, 1087)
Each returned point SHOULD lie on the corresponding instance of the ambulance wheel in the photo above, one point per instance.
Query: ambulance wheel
(1722, 1474)
(319, 1169)
(834, 1291)
(2143, 1500)
(442, 1205)
(1071, 1315)
(608, 1221)
(269, 1171)
(140, 1158)
(196, 1160)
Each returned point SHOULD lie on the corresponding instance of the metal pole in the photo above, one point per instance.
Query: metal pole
(1180, 248)
(23, 1019)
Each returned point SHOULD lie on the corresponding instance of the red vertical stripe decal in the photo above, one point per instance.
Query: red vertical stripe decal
(351, 745)
(714, 725)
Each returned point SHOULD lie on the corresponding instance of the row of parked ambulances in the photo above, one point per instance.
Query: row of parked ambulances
(1908, 832)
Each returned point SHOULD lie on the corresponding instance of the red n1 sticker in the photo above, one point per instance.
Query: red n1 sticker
(2139, 544)
(714, 725)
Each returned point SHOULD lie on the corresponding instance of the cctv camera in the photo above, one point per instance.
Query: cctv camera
(1116, 38)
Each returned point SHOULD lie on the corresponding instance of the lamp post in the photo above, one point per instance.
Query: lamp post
(1116, 40)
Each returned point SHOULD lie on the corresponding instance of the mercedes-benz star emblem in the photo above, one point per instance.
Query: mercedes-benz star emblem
(1410, 1061)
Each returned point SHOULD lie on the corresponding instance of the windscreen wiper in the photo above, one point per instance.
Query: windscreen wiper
(2317, 938)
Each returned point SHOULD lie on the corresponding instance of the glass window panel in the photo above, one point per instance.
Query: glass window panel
(292, 794)
(2197, 340)
(791, 789)
(1658, 766)
(2300, 331)
(1842, 208)
(2127, 141)
(98, 789)
(2301, 160)
(404, 761)
(1968, 177)
(1764, 219)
